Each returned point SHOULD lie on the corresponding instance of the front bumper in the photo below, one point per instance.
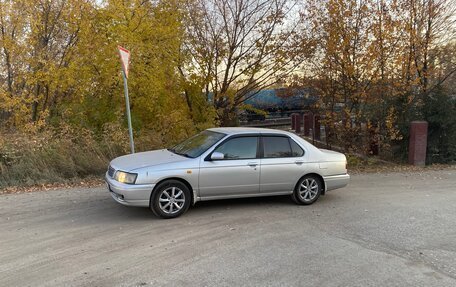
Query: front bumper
(129, 194)
(336, 181)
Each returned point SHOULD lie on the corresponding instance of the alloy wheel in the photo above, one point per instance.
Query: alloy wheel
(308, 189)
(171, 200)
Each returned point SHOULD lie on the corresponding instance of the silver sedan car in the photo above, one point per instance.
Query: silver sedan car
(221, 163)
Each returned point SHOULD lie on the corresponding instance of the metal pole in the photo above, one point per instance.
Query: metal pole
(127, 100)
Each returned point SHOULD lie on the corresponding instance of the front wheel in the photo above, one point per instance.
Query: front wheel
(170, 199)
(308, 190)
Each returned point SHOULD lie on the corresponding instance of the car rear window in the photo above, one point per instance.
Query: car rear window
(276, 146)
(296, 150)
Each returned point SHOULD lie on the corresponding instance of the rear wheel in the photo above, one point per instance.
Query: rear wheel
(308, 190)
(170, 199)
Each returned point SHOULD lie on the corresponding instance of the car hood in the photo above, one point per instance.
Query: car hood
(145, 159)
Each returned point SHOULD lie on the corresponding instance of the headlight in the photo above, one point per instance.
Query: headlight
(125, 177)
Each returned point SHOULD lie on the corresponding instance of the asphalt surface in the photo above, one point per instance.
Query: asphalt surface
(395, 229)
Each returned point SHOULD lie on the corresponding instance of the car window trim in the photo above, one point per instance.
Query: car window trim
(302, 149)
(289, 143)
(208, 157)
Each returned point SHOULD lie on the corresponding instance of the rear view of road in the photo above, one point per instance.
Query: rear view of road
(394, 229)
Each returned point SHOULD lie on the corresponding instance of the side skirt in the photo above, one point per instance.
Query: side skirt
(243, 195)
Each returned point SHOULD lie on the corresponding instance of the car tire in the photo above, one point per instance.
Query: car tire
(307, 190)
(170, 199)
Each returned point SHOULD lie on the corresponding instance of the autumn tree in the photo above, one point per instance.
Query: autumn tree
(343, 64)
(239, 47)
(13, 25)
(153, 31)
(38, 43)
(374, 63)
(428, 26)
(59, 64)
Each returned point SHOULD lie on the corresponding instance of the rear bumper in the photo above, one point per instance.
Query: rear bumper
(336, 181)
(129, 194)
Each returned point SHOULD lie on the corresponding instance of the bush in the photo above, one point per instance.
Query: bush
(439, 110)
(62, 154)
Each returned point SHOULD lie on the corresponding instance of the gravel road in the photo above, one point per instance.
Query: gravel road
(396, 229)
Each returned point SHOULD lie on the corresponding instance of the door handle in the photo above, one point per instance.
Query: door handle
(252, 164)
(299, 161)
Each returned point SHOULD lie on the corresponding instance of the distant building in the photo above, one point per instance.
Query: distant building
(283, 99)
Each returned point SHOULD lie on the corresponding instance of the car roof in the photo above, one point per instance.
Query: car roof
(247, 130)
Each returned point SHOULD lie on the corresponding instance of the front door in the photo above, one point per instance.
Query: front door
(237, 174)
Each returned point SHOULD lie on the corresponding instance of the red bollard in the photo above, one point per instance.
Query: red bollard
(308, 123)
(317, 127)
(298, 124)
(418, 142)
(293, 121)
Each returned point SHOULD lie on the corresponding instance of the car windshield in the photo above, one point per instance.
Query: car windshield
(197, 144)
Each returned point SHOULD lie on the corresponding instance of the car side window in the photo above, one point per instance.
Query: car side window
(296, 150)
(275, 147)
(239, 148)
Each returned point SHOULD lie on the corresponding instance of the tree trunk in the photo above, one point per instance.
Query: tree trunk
(228, 118)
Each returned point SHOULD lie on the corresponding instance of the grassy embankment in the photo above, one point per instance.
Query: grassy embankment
(61, 157)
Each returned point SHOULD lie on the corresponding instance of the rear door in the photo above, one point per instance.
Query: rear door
(282, 164)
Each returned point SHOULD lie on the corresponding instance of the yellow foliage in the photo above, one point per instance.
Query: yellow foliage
(64, 69)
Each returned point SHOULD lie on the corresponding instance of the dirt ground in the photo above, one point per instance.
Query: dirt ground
(386, 229)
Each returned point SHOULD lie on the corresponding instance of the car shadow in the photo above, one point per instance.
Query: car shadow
(120, 213)
(245, 202)
(116, 212)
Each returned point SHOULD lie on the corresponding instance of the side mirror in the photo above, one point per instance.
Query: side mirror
(217, 156)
